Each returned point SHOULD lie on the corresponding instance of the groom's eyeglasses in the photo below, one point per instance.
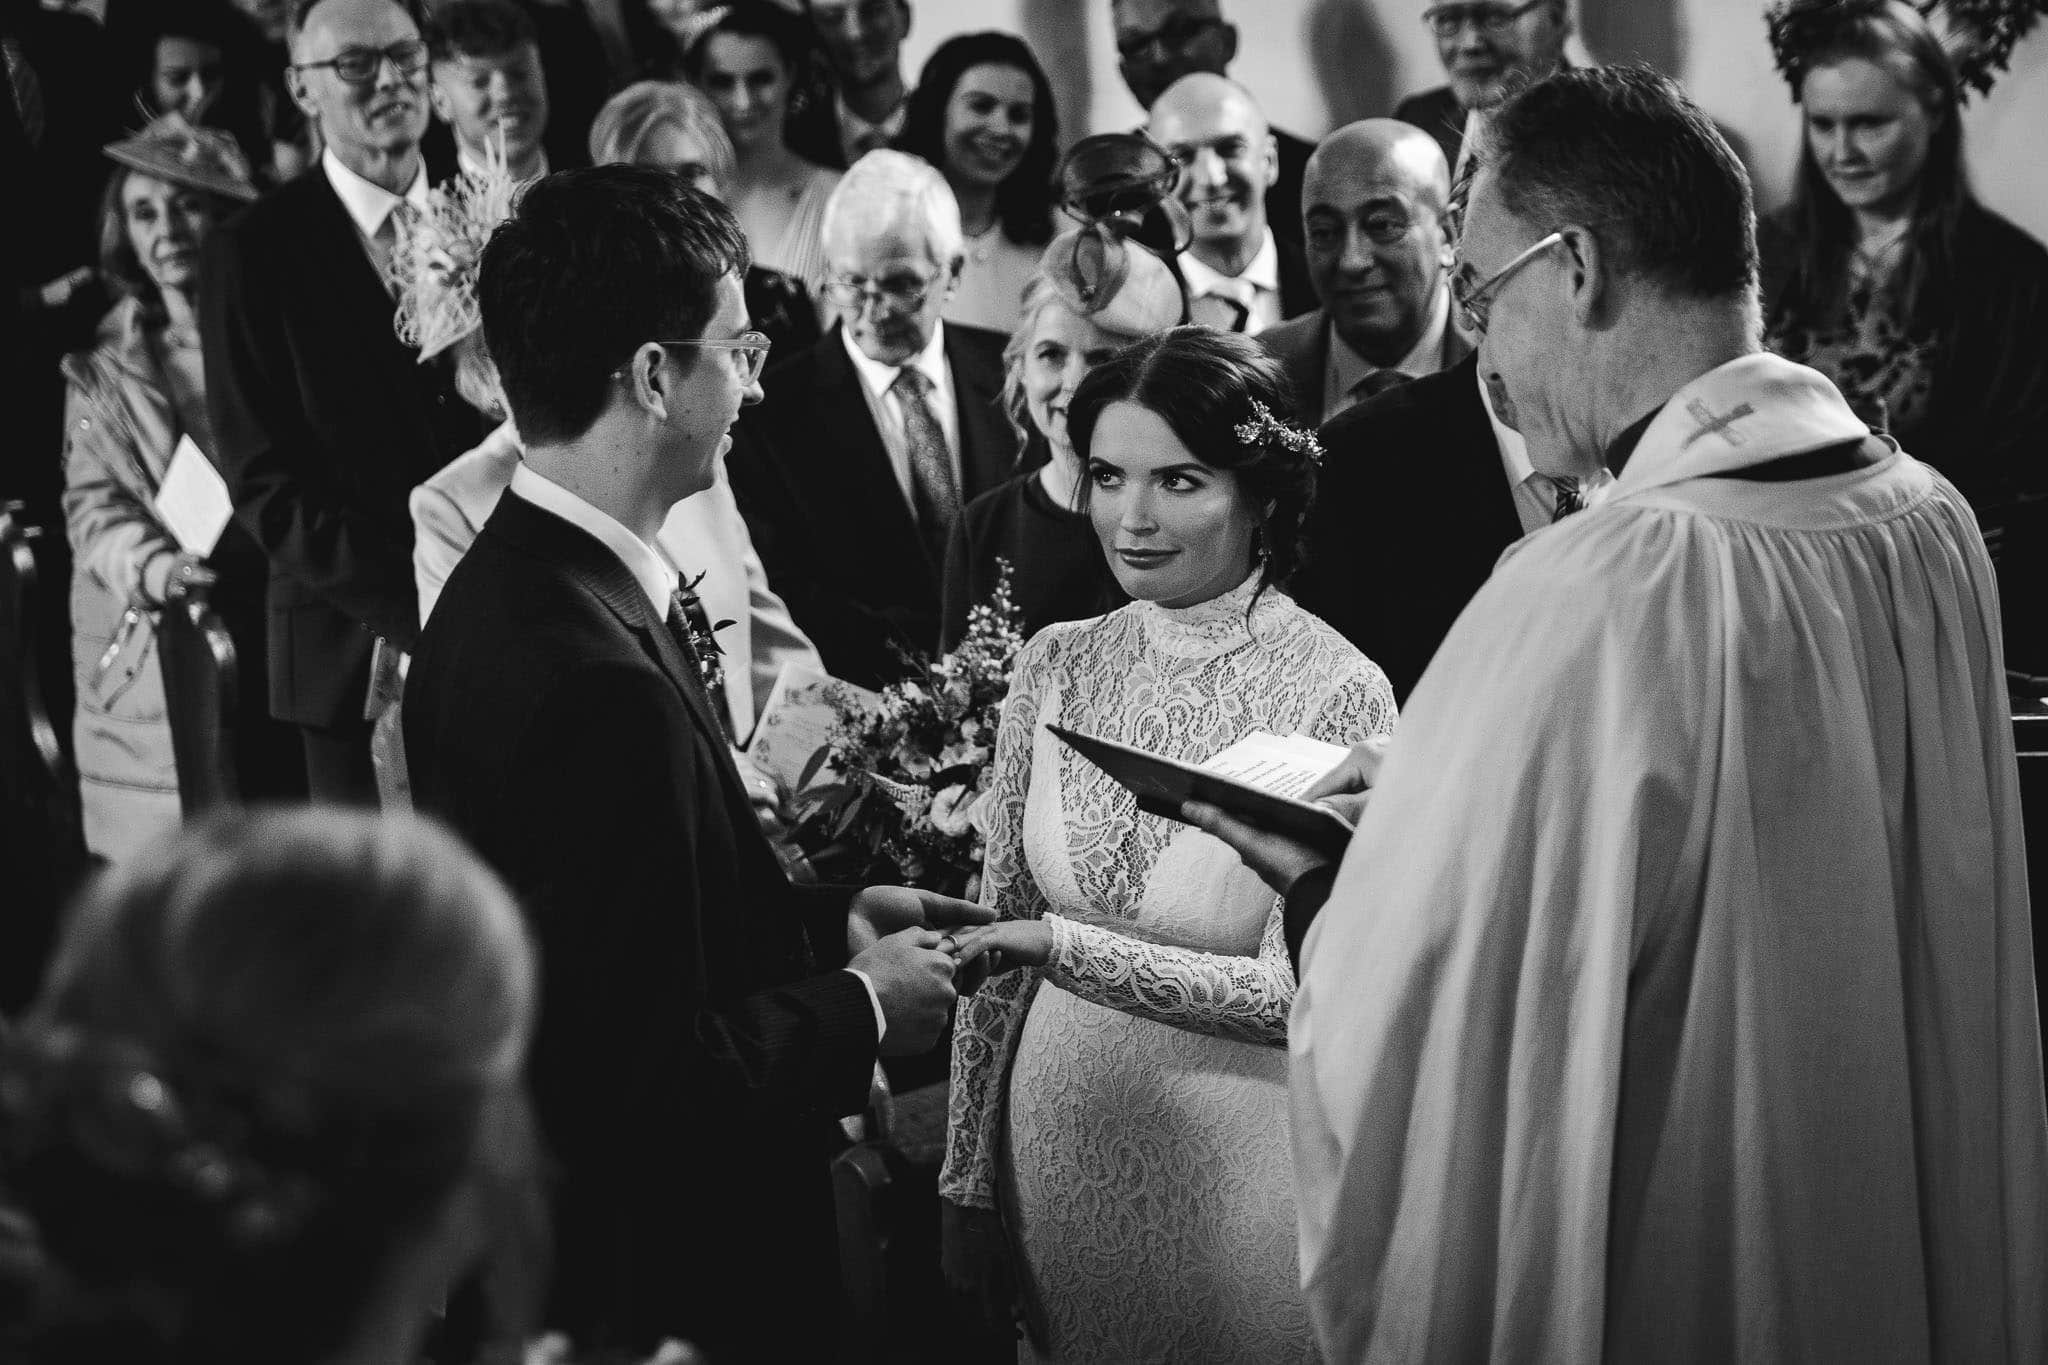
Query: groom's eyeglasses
(749, 352)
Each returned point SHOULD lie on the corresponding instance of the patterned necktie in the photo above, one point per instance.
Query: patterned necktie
(386, 241)
(933, 492)
(1568, 498)
(687, 623)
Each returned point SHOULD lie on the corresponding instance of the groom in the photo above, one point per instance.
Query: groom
(691, 1056)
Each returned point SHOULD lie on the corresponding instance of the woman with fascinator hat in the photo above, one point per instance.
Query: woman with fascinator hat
(129, 401)
(1886, 273)
(1092, 293)
(1117, 1164)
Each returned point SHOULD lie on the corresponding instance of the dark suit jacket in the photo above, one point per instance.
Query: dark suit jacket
(1302, 346)
(827, 515)
(323, 423)
(691, 1057)
(1412, 510)
(1283, 199)
(1438, 113)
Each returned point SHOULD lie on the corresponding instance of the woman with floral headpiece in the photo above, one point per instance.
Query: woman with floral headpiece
(130, 401)
(1886, 273)
(1117, 1150)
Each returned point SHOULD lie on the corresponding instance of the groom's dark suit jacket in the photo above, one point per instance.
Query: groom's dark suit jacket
(691, 1055)
(1412, 510)
(323, 423)
(829, 519)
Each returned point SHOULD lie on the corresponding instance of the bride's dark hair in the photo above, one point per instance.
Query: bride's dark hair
(1205, 384)
(264, 1057)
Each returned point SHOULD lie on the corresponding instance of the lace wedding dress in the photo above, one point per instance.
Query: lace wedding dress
(1126, 1105)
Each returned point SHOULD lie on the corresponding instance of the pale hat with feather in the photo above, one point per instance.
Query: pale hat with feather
(174, 150)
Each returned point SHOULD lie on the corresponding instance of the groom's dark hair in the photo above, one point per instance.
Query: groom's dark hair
(592, 264)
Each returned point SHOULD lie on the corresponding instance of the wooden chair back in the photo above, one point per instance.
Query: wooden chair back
(200, 689)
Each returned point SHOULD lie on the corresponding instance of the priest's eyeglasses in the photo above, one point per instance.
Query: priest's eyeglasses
(1475, 301)
(1447, 21)
(360, 65)
(749, 352)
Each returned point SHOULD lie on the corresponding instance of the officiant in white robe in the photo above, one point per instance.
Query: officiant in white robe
(1675, 998)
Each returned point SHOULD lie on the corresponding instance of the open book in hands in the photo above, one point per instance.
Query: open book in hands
(1259, 780)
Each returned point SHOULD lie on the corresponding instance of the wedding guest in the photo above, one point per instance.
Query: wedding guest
(268, 1103)
(983, 114)
(854, 471)
(489, 85)
(691, 1057)
(1160, 41)
(1075, 318)
(747, 63)
(1490, 49)
(704, 536)
(1376, 200)
(1694, 874)
(323, 421)
(204, 63)
(576, 72)
(1119, 1099)
(1240, 277)
(864, 105)
(675, 126)
(1886, 274)
(662, 32)
(130, 401)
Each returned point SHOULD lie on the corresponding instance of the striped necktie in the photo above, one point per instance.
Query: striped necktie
(1567, 497)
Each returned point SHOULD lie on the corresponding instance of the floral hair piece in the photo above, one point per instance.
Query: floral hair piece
(434, 263)
(1980, 35)
(1265, 429)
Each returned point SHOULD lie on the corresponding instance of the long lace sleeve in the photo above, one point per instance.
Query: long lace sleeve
(1231, 997)
(986, 1024)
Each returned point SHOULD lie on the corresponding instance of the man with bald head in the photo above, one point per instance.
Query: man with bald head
(1160, 41)
(322, 420)
(1240, 277)
(1378, 248)
(1490, 49)
(871, 440)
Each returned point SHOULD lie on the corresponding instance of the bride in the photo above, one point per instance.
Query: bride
(1117, 1147)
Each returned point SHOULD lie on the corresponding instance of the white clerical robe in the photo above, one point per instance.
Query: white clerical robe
(1675, 999)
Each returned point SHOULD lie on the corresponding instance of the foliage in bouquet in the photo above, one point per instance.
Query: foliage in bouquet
(900, 783)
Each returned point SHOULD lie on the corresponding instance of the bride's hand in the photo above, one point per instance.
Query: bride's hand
(1007, 945)
(974, 1253)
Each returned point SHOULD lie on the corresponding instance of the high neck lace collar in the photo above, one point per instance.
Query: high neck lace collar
(1206, 629)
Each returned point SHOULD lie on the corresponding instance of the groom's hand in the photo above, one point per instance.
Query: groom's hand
(883, 910)
(913, 979)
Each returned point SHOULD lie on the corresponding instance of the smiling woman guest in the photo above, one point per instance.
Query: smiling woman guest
(748, 62)
(1074, 319)
(982, 113)
(1119, 1099)
(1886, 274)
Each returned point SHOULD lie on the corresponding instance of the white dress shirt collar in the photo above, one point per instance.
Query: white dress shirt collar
(857, 136)
(370, 204)
(1262, 271)
(877, 378)
(1346, 366)
(656, 576)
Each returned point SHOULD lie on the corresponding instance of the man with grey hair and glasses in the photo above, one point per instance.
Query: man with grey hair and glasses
(1490, 49)
(873, 439)
(1675, 998)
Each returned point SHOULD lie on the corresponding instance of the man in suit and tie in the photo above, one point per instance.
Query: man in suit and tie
(1240, 277)
(872, 440)
(863, 110)
(323, 421)
(1420, 490)
(1160, 41)
(1490, 49)
(1379, 254)
(696, 1041)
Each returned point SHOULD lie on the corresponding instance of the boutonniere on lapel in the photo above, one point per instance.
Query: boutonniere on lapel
(703, 636)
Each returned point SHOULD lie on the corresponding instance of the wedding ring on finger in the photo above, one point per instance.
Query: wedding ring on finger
(947, 945)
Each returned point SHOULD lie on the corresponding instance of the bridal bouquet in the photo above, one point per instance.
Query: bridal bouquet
(899, 785)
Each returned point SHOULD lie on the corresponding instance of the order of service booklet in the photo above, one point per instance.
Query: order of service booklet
(1259, 780)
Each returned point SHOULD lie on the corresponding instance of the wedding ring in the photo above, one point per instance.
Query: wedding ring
(946, 943)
